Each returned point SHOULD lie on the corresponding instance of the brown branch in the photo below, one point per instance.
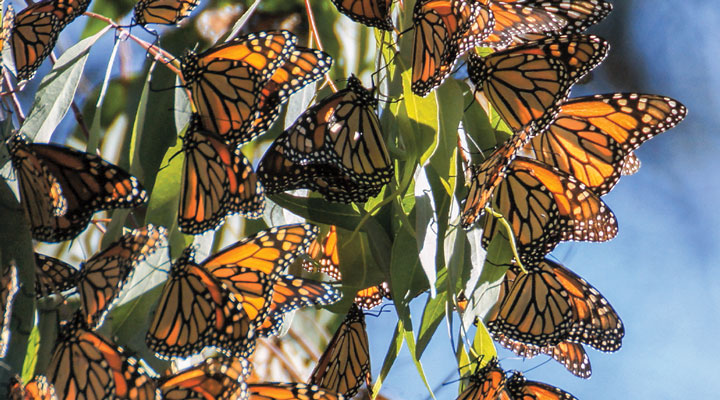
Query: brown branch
(16, 102)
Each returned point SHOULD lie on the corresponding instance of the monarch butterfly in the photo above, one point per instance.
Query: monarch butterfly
(372, 296)
(167, 12)
(442, 34)
(345, 364)
(335, 147)
(239, 86)
(374, 13)
(526, 84)
(217, 181)
(214, 378)
(631, 165)
(327, 255)
(36, 30)
(8, 290)
(544, 207)
(232, 292)
(103, 276)
(195, 311)
(37, 389)
(225, 80)
(521, 388)
(291, 391)
(8, 21)
(571, 355)
(86, 365)
(574, 310)
(291, 293)
(593, 136)
(61, 188)
(53, 276)
(487, 383)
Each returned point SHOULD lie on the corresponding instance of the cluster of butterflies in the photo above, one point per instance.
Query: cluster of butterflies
(224, 303)
(545, 181)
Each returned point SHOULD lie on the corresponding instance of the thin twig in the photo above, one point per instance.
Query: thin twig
(16, 102)
(316, 36)
(289, 368)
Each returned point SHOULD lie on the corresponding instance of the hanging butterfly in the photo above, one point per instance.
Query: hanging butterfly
(53, 276)
(570, 309)
(36, 29)
(61, 188)
(335, 147)
(487, 383)
(102, 277)
(527, 84)
(571, 355)
(373, 13)
(593, 136)
(86, 365)
(521, 388)
(214, 378)
(291, 391)
(345, 364)
(444, 30)
(217, 181)
(239, 86)
(291, 293)
(8, 290)
(166, 12)
(326, 254)
(37, 389)
(544, 206)
(222, 301)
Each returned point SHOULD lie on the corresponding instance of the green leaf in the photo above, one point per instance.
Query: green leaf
(57, 90)
(138, 127)
(432, 316)
(28, 369)
(483, 345)
(426, 227)
(410, 339)
(393, 350)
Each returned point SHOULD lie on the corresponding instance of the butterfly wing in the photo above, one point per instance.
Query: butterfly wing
(345, 364)
(544, 207)
(291, 293)
(373, 13)
(527, 84)
(335, 147)
(217, 181)
(87, 184)
(440, 38)
(37, 389)
(523, 389)
(226, 80)
(195, 311)
(53, 276)
(291, 391)
(372, 297)
(532, 308)
(593, 136)
(166, 12)
(86, 365)
(302, 67)
(214, 378)
(488, 383)
(103, 276)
